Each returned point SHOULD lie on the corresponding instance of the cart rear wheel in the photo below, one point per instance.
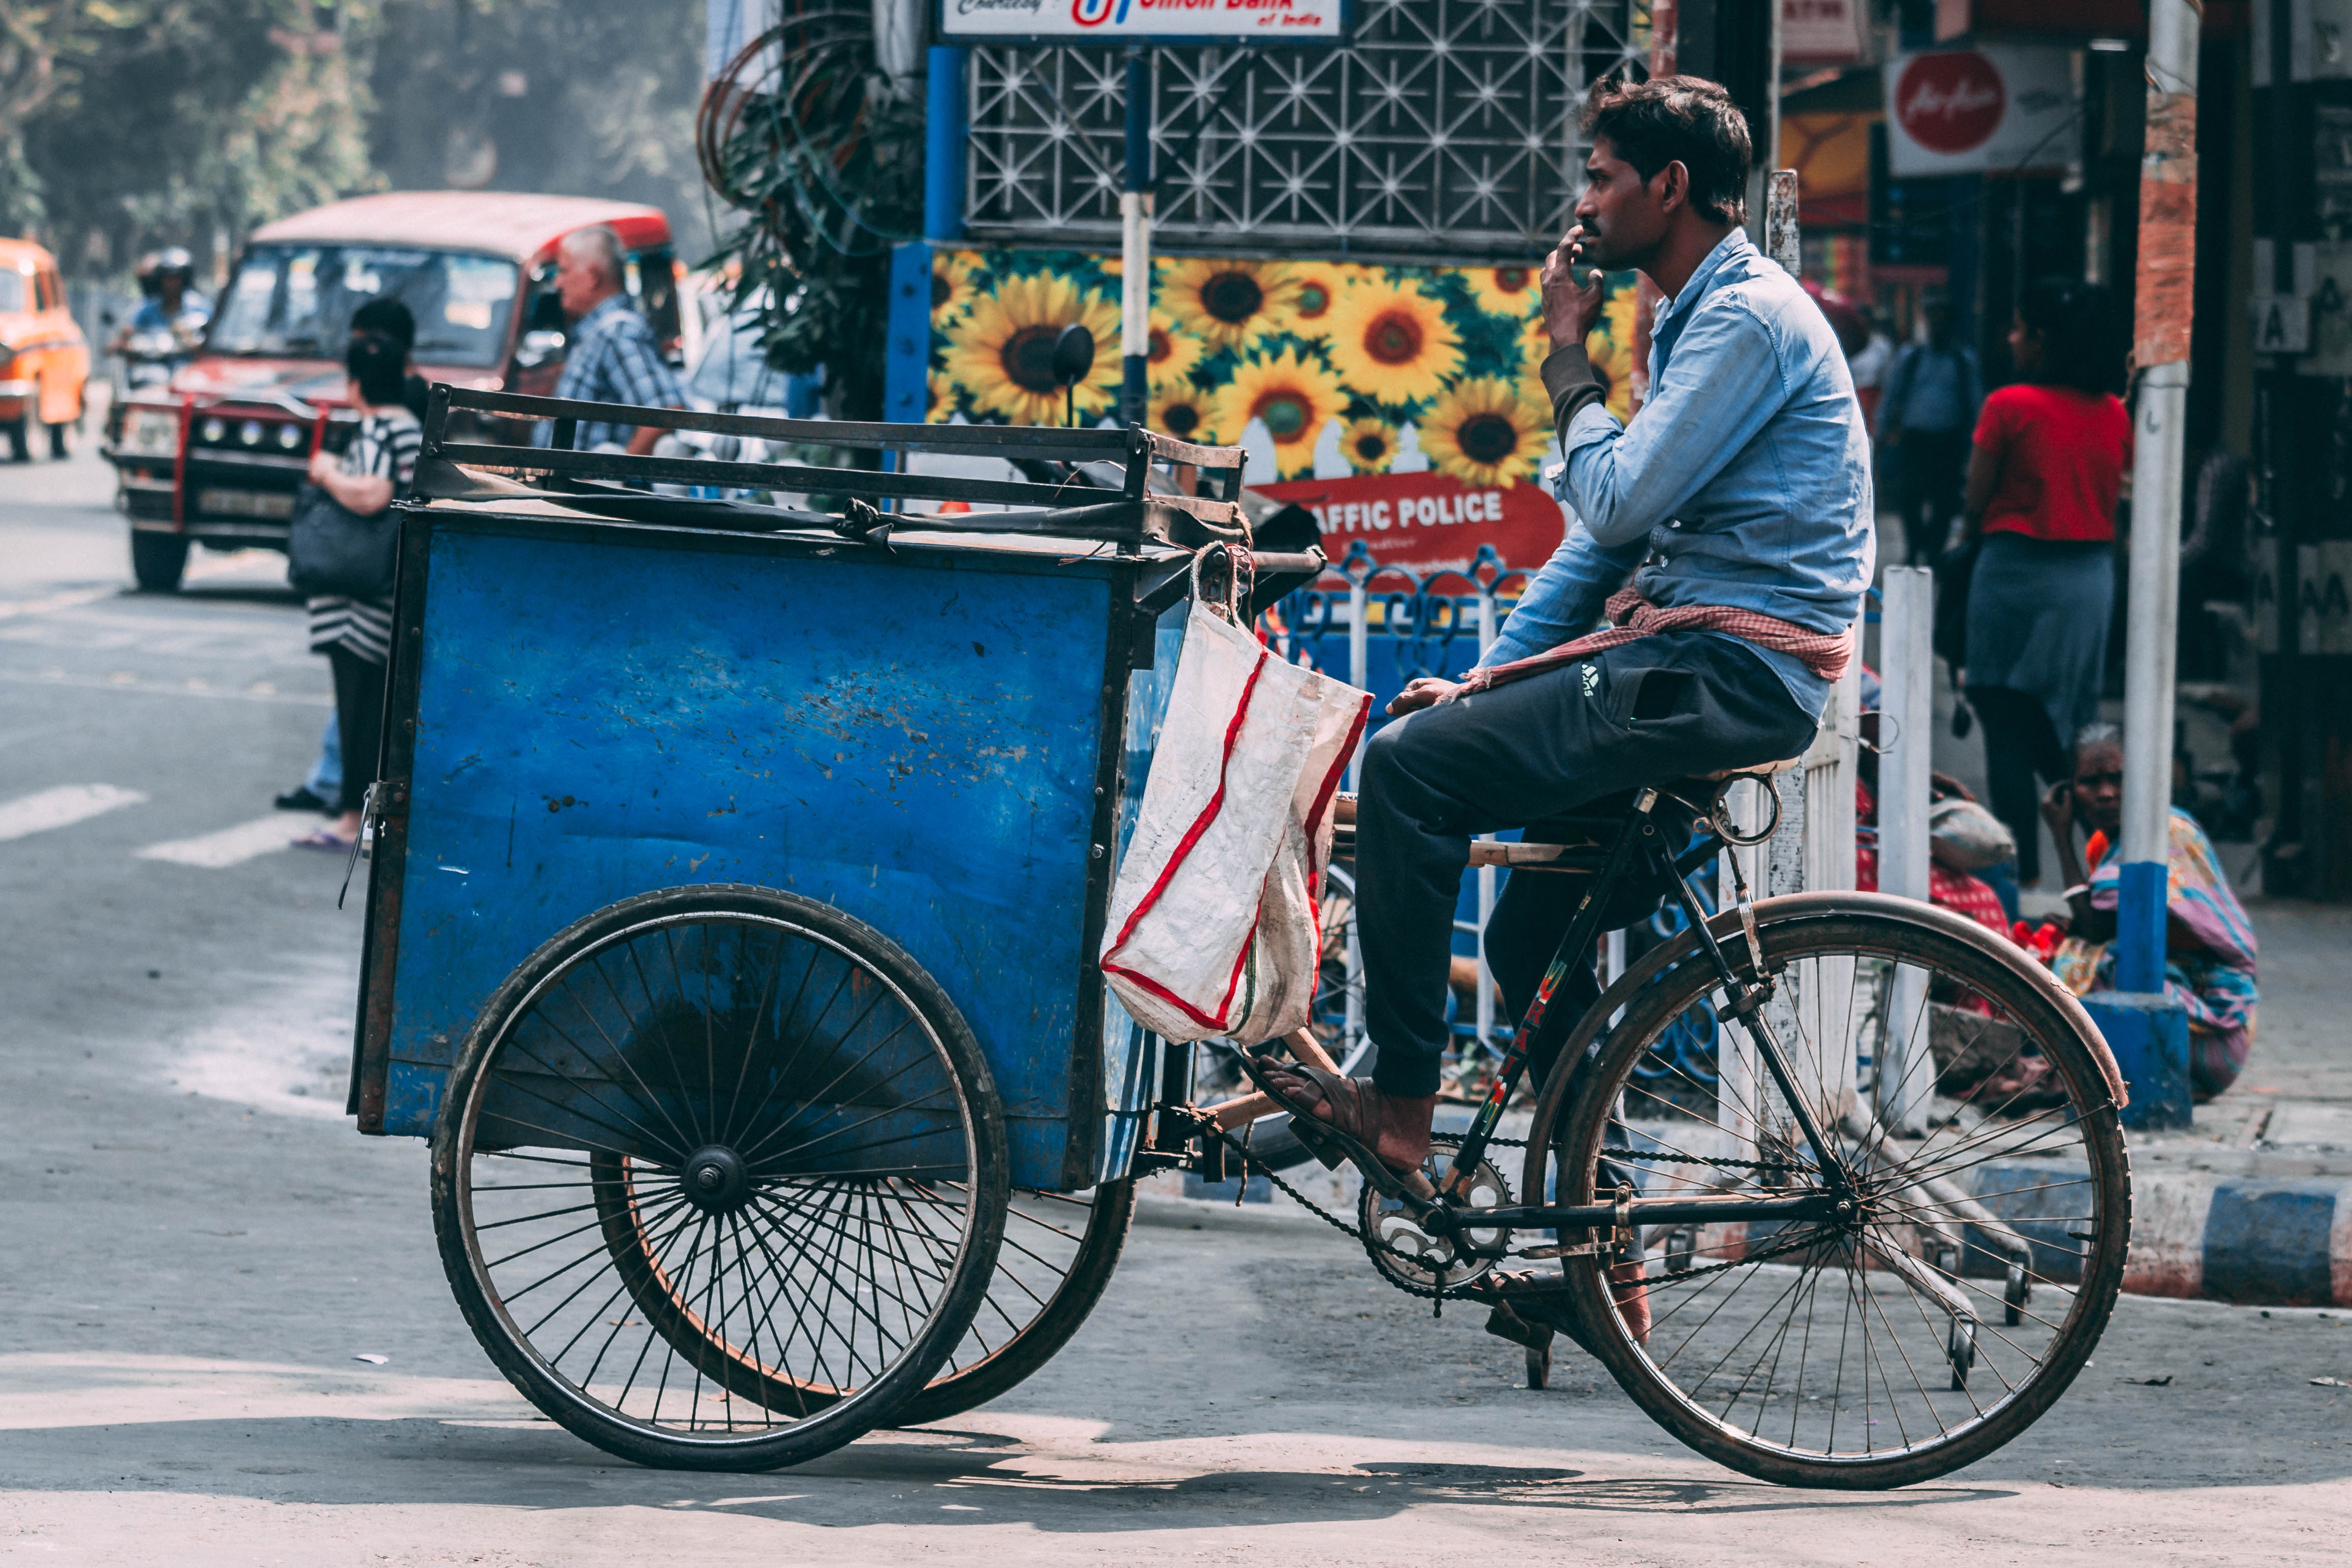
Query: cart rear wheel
(720, 1178)
(1059, 1250)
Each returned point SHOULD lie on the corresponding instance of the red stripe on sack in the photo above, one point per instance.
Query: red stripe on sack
(1241, 962)
(1323, 804)
(1201, 824)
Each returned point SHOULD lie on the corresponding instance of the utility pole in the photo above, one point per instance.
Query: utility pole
(2161, 317)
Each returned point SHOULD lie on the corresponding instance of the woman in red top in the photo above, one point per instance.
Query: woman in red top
(2047, 470)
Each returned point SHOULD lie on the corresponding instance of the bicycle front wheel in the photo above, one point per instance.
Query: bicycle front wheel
(1977, 1266)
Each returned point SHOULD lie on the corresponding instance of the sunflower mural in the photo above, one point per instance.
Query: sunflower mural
(1315, 292)
(1188, 413)
(999, 353)
(1228, 304)
(1392, 343)
(1381, 360)
(1370, 445)
(1515, 291)
(1173, 354)
(1488, 430)
(1293, 396)
(952, 272)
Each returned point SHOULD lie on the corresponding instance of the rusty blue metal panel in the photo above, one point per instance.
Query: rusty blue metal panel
(915, 739)
(1130, 1064)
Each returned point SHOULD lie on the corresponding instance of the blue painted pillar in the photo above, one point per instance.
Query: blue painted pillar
(943, 144)
(906, 361)
(2140, 889)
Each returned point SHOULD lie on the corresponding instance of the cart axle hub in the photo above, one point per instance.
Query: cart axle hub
(715, 1180)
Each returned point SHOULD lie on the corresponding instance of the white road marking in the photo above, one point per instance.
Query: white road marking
(10, 609)
(258, 692)
(61, 807)
(230, 846)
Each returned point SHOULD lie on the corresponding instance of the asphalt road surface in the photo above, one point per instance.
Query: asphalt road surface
(224, 1337)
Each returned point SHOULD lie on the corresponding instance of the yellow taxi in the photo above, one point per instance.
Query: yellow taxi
(43, 360)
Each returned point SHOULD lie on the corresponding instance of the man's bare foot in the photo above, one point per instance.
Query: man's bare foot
(1394, 1127)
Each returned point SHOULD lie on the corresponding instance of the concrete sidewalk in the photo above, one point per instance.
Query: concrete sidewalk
(2254, 1203)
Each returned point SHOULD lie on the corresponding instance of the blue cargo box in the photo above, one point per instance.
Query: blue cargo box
(945, 735)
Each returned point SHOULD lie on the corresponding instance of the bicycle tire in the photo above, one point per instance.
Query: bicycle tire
(1809, 934)
(578, 1068)
(978, 1370)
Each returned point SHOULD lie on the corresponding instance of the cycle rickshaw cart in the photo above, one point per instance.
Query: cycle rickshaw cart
(732, 923)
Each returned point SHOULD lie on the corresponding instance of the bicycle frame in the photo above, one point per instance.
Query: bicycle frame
(1637, 836)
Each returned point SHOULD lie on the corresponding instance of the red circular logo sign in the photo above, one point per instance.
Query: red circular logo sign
(1949, 103)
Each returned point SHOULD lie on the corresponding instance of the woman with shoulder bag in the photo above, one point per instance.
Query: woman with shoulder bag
(355, 631)
(2048, 469)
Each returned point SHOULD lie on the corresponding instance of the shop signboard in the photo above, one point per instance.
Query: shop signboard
(1993, 110)
(1284, 22)
(1401, 403)
(1822, 32)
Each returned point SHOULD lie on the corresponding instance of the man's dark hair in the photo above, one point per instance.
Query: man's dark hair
(1686, 119)
(2080, 331)
(386, 318)
(380, 366)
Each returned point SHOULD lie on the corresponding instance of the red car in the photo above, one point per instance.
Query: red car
(216, 457)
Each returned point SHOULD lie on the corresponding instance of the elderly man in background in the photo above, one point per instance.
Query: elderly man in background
(613, 357)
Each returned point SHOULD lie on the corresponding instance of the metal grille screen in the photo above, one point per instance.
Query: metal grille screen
(1445, 131)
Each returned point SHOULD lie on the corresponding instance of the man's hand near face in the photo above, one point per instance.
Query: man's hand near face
(1570, 306)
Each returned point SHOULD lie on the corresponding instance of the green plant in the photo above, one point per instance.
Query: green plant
(822, 152)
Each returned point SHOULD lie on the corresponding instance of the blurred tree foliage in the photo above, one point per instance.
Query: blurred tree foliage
(127, 124)
(583, 98)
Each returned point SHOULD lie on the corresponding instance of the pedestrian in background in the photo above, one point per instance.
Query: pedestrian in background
(390, 318)
(356, 634)
(2052, 453)
(1928, 407)
(613, 356)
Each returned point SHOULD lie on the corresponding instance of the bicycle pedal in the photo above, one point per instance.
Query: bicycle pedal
(1504, 1324)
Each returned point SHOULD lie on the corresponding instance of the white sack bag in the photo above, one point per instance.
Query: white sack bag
(1213, 927)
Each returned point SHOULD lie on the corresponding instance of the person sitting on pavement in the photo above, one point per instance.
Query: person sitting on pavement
(1737, 506)
(613, 356)
(2209, 950)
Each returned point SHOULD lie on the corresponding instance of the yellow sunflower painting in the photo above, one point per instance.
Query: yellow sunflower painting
(1513, 291)
(1392, 343)
(1230, 303)
(1001, 352)
(954, 283)
(1173, 353)
(1316, 290)
(1370, 445)
(1186, 413)
(1487, 431)
(1294, 398)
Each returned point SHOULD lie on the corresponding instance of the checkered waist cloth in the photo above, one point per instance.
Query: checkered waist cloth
(1632, 617)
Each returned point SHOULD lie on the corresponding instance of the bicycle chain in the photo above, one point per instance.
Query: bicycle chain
(1207, 1125)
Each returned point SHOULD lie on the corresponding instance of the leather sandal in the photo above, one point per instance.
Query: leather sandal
(1335, 1140)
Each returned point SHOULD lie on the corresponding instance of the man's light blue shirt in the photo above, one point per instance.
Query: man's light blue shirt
(1743, 482)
